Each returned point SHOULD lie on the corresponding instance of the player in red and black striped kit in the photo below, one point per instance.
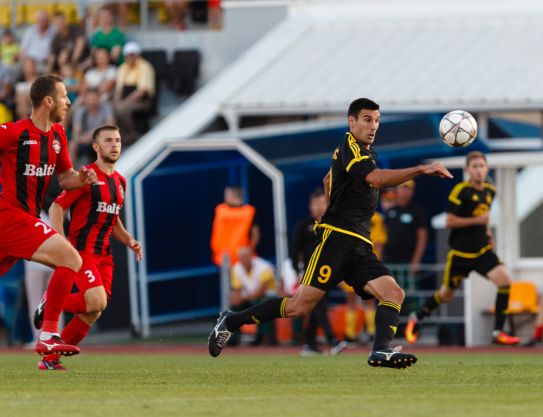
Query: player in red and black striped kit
(94, 218)
(32, 150)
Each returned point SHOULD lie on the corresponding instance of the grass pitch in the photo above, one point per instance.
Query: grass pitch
(104, 385)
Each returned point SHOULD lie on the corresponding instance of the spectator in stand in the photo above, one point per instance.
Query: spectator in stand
(37, 40)
(6, 94)
(90, 115)
(23, 105)
(69, 45)
(407, 230)
(71, 79)
(134, 90)
(101, 75)
(9, 53)
(234, 226)
(109, 37)
(215, 15)
(252, 282)
(177, 10)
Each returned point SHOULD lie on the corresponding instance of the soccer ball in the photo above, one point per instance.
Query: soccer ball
(458, 128)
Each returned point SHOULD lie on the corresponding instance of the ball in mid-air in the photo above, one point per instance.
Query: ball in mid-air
(458, 128)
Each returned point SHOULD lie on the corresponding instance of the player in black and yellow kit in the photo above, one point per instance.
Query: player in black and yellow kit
(470, 249)
(343, 249)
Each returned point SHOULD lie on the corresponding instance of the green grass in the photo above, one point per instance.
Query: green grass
(472, 385)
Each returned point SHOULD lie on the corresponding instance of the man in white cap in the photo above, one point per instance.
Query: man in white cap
(134, 90)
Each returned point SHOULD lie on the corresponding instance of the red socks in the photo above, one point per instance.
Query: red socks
(75, 331)
(76, 304)
(57, 292)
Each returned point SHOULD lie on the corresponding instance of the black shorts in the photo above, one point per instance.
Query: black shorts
(339, 257)
(460, 264)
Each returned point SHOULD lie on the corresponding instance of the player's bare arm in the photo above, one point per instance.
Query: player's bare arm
(326, 183)
(56, 216)
(383, 178)
(72, 179)
(122, 235)
(454, 222)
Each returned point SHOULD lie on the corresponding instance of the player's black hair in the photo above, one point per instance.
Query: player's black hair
(361, 104)
(100, 129)
(319, 192)
(43, 86)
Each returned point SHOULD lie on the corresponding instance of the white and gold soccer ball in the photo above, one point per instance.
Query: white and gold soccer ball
(458, 128)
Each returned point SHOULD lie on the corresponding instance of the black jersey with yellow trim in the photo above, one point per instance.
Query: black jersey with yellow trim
(352, 200)
(466, 201)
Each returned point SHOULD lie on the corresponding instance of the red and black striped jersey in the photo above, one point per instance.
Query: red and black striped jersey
(94, 211)
(30, 157)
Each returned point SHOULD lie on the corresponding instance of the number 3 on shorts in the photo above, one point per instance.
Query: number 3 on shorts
(90, 275)
(324, 274)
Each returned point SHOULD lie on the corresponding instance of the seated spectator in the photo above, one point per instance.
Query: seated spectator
(177, 11)
(101, 75)
(6, 94)
(252, 282)
(134, 90)
(88, 116)
(23, 105)
(71, 80)
(69, 45)
(37, 39)
(215, 15)
(109, 36)
(9, 53)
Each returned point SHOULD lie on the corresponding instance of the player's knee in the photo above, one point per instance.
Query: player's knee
(90, 318)
(96, 303)
(72, 260)
(394, 293)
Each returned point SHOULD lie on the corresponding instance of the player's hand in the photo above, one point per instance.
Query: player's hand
(136, 247)
(88, 176)
(483, 219)
(436, 169)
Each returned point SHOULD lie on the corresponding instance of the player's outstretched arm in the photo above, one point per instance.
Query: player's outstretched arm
(122, 235)
(56, 216)
(72, 179)
(455, 222)
(384, 178)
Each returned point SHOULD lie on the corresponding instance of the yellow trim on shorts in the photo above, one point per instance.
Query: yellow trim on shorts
(470, 255)
(346, 232)
(306, 280)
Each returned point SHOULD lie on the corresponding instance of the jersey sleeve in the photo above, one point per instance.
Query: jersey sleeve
(67, 198)
(454, 202)
(355, 162)
(63, 161)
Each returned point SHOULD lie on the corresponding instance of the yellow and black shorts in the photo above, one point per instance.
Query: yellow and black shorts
(460, 264)
(339, 257)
